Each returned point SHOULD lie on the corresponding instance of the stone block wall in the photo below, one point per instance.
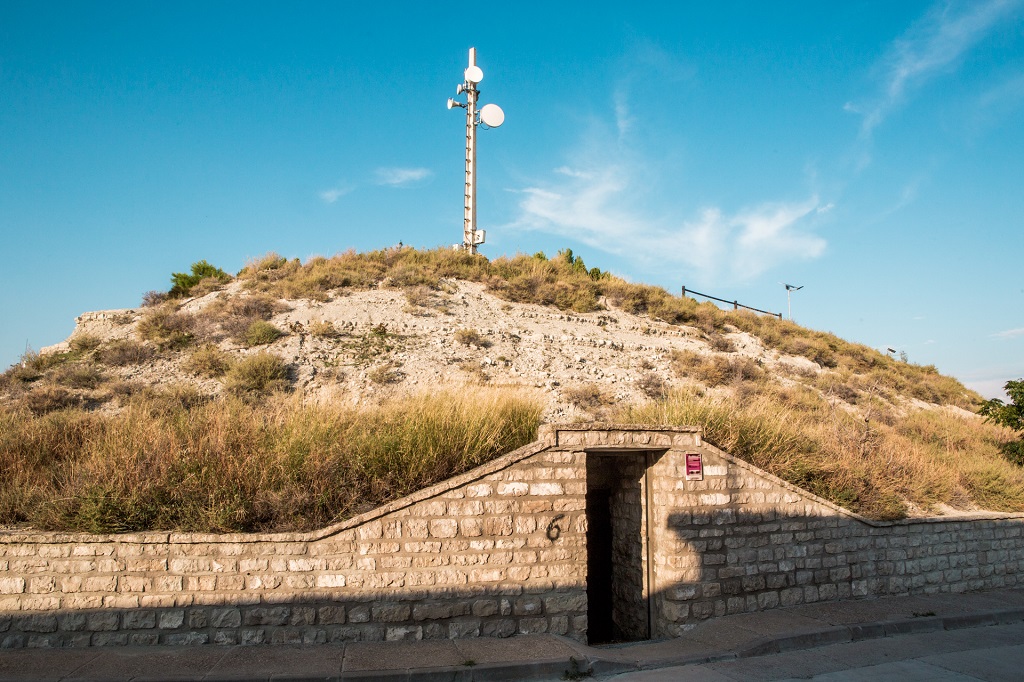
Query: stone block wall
(742, 540)
(499, 551)
(470, 557)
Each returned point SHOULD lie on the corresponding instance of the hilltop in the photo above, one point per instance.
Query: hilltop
(380, 340)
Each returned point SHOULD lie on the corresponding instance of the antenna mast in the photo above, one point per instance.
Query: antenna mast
(491, 116)
(469, 241)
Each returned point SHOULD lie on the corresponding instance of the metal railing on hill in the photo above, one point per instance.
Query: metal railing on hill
(735, 305)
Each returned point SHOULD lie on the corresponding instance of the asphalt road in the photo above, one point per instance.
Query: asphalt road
(992, 654)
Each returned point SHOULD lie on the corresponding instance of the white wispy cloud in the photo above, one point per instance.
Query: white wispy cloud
(1009, 334)
(331, 195)
(596, 207)
(932, 46)
(401, 177)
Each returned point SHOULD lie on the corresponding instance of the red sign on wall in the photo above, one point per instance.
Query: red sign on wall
(694, 466)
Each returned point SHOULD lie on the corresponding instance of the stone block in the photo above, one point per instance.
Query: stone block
(513, 488)
(232, 618)
(100, 584)
(402, 633)
(527, 606)
(464, 627)
(102, 621)
(143, 639)
(431, 611)
(498, 525)
(171, 619)
(504, 627)
(485, 607)
(532, 626)
(444, 528)
(109, 639)
(36, 622)
(17, 641)
(185, 638)
(390, 612)
(66, 622)
(225, 638)
(565, 603)
(471, 527)
(263, 615)
(38, 585)
(138, 620)
(329, 580)
(331, 615)
(252, 636)
(359, 614)
(38, 603)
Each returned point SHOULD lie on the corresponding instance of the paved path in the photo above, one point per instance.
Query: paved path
(899, 636)
(992, 654)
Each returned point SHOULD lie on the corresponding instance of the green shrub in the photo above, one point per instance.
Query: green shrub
(261, 333)
(182, 283)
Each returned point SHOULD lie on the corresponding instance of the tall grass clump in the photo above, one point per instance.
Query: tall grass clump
(229, 465)
(868, 466)
(257, 375)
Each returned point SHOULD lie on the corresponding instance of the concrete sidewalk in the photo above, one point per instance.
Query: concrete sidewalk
(533, 657)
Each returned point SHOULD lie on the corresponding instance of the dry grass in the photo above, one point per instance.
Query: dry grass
(715, 370)
(587, 396)
(471, 337)
(323, 329)
(257, 375)
(930, 457)
(208, 361)
(167, 326)
(124, 353)
(168, 462)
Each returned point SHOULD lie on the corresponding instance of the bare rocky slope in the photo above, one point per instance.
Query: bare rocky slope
(383, 345)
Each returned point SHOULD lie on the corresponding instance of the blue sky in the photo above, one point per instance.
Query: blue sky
(870, 151)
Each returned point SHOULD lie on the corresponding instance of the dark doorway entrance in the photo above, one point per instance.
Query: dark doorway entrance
(618, 606)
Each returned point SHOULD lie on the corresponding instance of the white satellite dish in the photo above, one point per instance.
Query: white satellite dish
(451, 103)
(491, 115)
(474, 74)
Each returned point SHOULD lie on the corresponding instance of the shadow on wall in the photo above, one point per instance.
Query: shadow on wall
(392, 616)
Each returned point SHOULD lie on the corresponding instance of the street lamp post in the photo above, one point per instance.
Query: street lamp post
(789, 296)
